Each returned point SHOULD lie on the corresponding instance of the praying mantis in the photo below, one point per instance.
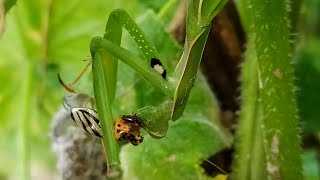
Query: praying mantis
(176, 83)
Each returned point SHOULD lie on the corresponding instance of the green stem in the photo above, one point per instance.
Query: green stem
(167, 9)
(258, 160)
(270, 24)
(247, 125)
(24, 125)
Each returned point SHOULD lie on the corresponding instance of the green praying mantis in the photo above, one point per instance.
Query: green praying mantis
(176, 83)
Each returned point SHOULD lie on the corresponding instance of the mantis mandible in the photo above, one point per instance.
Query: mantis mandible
(176, 83)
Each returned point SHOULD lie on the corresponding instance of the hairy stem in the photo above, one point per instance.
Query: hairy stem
(246, 129)
(270, 28)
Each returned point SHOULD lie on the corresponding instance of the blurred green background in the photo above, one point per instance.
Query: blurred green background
(43, 38)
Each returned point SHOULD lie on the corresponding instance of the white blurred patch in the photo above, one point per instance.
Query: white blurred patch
(158, 68)
(79, 154)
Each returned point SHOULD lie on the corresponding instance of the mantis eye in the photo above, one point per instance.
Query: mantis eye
(157, 65)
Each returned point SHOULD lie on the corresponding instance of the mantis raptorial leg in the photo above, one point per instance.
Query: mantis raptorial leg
(150, 67)
(105, 51)
(69, 87)
(176, 84)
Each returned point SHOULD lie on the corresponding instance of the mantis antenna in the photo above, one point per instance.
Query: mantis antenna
(69, 87)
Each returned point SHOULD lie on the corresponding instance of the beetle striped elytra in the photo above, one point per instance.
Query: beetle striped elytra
(88, 119)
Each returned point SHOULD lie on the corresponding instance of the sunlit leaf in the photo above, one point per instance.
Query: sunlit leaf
(42, 38)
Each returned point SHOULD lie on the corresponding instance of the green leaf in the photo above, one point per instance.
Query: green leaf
(179, 155)
(311, 165)
(249, 134)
